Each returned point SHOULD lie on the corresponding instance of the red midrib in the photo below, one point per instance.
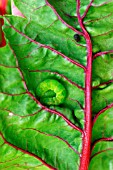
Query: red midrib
(88, 123)
(85, 157)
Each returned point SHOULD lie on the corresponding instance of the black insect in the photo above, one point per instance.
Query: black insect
(77, 37)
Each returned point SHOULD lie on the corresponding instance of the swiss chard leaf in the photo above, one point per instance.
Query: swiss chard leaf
(13, 158)
(56, 86)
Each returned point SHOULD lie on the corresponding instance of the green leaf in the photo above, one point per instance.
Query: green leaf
(13, 158)
(104, 123)
(50, 132)
(34, 134)
(102, 156)
(98, 22)
(47, 97)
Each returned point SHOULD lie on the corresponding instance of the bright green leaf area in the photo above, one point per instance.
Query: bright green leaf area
(102, 146)
(21, 105)
(6, 57)
(8, 82)
(102, 72)
(102, 97)
(103, 68)
(103, 126)
(102, 161)
(33, 133)
(97, 3)
(99, 24)
(44, 122)
(13, 159)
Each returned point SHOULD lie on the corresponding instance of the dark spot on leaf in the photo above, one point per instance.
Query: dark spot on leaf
(77, 37)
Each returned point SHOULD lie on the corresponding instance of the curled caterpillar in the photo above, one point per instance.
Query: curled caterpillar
(51, 92)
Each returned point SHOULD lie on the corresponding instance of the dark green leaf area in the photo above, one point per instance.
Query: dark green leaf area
(103, 126)
(66, 10)
(56, 35)
(76, 116)
(102, 69)
(100, 26)
(31, 135)
(79, 114)
(101, 97)
(102, 146)
(1, 141)
(13, 159)
(21, 105)
(102, 161)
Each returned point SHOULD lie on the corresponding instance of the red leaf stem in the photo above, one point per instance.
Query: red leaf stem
(84, 163)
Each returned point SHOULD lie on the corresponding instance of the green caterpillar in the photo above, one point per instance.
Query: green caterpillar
(51, 92)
